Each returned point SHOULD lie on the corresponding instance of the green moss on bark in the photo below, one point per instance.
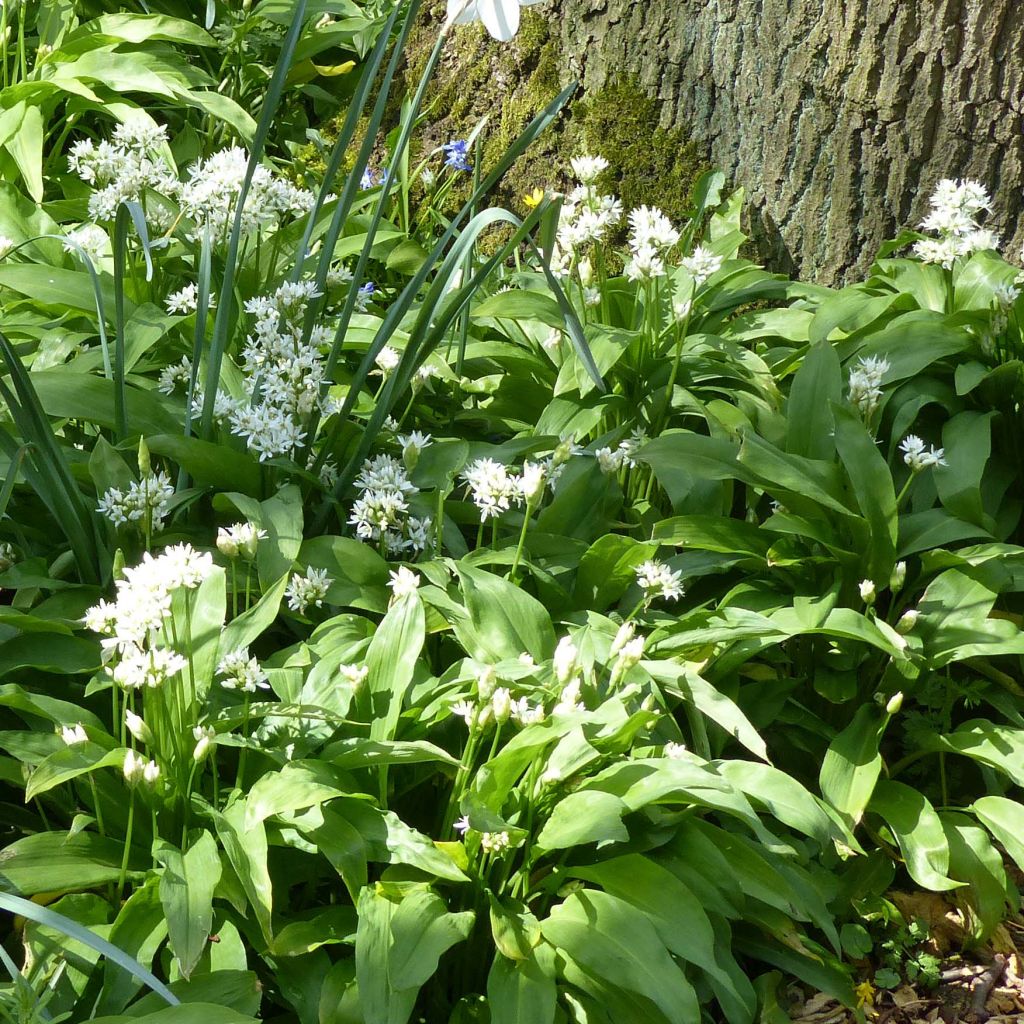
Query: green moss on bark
(510, 84)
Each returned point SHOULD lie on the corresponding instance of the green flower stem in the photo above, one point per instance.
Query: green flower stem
(96, 805)
(127, 844)
(240, 773)
(527, 515)
(465, 766)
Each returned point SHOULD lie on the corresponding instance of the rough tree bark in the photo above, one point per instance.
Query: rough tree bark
(837, 116)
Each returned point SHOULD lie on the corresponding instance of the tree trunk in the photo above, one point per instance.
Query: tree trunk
(837, 116)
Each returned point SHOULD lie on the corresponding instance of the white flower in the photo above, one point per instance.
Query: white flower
(137, 727)
(630, 653)
(587, 168)
(609, 461)
(150, 773)
(311, 589)
(133, 767)
(462, 825)
(72, 735)
(494, 843)
(184, 301)
(657, 580)
(204, 735)
(915, 456)
(701, 265)
(564, 659)
(387, 359)
(526, 713)
(553, 340)
(145, 498)
(866, 383)
(501, 704)
(146, 668)
(493, 488)
(532, 481)
(6, 245)
(675, 751)
(681, 309)
(645, 265)
(240, 539)
(465, 710)
(569, 699)
(623, 636)
(867, 591)
(354, 675)
(403, 583)
(241, 672)
(955, 208)
(500, 17)
(651, 229)
(175, 374)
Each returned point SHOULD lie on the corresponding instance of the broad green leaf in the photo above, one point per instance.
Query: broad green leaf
(139, 930)
(57, 862)
(852, 764)
(872, 484)
(584, 817)
(503, 620)
(782, 796)
(974, 859)
(810, 420)
(514, 928)
(246, 849)
(422, 930)
(186, 1013)
(1004, 818)
(918, 830)
(614, 941)
(210, 465)
(380, 1002)
(679, 919)
(297, 785)
(999, 746)
(69, 763)
(518, 304)
(391, 661)
(523, 990)
(608, 569)
(186, 893)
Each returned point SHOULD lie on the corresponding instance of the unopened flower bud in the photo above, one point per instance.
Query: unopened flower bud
(501, 704)
(898, 577)
(145, 464)
(907, 621)
(137, 727)
(867, 591)
(586, 270)
(895, 703)
(204, 737)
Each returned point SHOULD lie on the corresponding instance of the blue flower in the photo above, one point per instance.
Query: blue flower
(455, 155)
(369, 178)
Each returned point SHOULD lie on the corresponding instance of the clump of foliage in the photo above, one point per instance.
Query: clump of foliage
(585, 626)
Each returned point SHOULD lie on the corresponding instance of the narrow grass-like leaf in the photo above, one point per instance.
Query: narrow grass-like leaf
(223, 319)
(51, 919)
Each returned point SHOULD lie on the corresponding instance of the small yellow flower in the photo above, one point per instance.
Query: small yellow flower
(534, 199)
(865, 994)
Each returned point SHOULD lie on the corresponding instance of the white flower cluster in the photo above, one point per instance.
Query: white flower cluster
(701, 265)
(403, 583)
(651, 236)
(210, 194)
(137, 769)
(133, 624)
(612, 460)
(89, 239)
(124, 168)
(381, 512)
(311, 589)
(657, 580)
(495, 490)
(866, 384)
(240, 539)
(586, 216)
(241, 672)
(144, 498)
(955, 207)
(917, 457)
(175, 375)
(282, 376)
(131, 165)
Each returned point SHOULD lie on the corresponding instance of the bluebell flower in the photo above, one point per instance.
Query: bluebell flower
(364, 295)
(455, 155)
(369, 178)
